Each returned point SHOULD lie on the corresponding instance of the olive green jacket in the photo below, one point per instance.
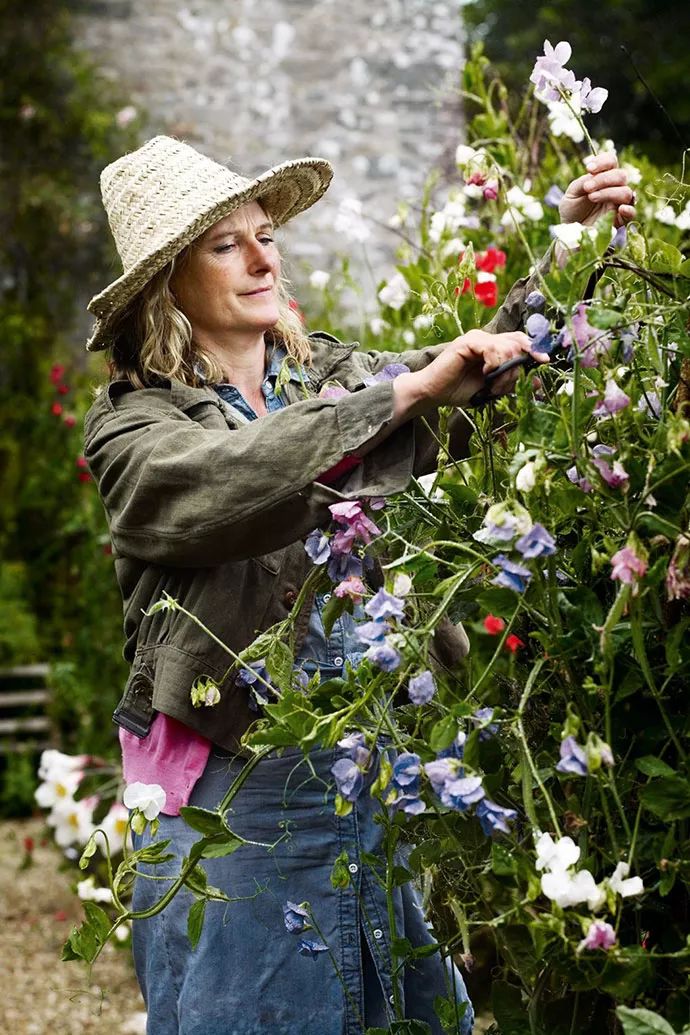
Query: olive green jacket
(213, 511)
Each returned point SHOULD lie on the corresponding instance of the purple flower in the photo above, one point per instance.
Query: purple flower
(441, 771)
(383, 656)
(372, 632)
(614, 400)
(406, 770)
(620, 238)
(539, 330)
(512, 575)
(356, 523)
(388, 373)
(310, 948)
(333, 392)
(348, 779)
(355, 744)
(384, 605)
(536, 543)
(649, 403)
(589, 341)
(592, 98)
(461, 793)
(482, 719)
(296, 917)
(573, 758)
(627, 566)
(421, 688)
(494, 818)
(553, 196)
(317, 547)
(456, 749)
(535, 301)
(582, 483)
(614, 476)
(410, 803)
(343, 566)
(600, 935)
(549, 71)
(250, 677)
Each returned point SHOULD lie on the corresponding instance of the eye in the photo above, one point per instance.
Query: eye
(266, 240)
(224, 248)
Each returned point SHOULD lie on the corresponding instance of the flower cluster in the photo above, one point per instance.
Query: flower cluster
(460, 792)
(568, 887)
(566, 97)
(297, 919)
(484, 286)
(509, 522)
(336, 549)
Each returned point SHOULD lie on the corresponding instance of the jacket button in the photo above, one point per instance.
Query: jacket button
(290, 597)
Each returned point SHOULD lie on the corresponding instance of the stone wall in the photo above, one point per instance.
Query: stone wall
(370, 86)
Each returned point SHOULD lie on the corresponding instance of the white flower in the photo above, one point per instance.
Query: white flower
(526, 477)
(349, 220)
(464, 154)
(402, 585)
(409, 338)
(570, 234)
(88, 892)
(451, 217)
(666, 215)
(683, 220)
(567, 388)
(122, 933)
(53, 761)
(149, 798)
(126, 115)
(623, 887)
(452, 247)
(72, 821)
(485, 278)
(423, 321)
(319, 279)
(57, 789)
(633, 173)
(556, 855)
(377, 325)
(396, 292)
(567, 889)
(522, 206)
(473, 191)
(114, 826)
(562, 121)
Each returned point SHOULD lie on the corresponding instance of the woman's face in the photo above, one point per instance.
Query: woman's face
(229, 283)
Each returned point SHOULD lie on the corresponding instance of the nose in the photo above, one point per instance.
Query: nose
(258, 260)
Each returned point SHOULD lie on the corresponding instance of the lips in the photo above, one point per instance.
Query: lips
(259, 291)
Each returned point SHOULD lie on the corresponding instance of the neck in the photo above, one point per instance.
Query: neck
(242, 360)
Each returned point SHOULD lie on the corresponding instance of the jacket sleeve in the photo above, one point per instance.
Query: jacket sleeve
(178, 493)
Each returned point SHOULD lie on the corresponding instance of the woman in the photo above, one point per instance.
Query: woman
(212, 474)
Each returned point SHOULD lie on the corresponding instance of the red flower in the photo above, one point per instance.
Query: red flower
(60, 915)
(513, 643)
(490, 259)
(466, 286)
(56, 372)
(81, 462)
(477, 179)
(487, 292)
(294, 305)
(494, 625)
(70, 421)
(84, 476)
(108, 550)
(63, 389)
(29, 844)
(56, 409)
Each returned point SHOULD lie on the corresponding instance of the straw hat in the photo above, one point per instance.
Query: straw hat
(164, 195)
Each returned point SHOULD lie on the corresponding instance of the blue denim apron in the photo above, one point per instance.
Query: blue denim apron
(246, 975)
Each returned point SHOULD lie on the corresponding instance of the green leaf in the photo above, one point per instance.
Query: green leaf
(604, 319)
(279, 664)
(668, 798)
(652, 766)
(221, 846)
(332, 612)
(203, 820)
(340, 875)
(508, 1009)
(195, 921)
(642, 1022)
(443, 733)
(503, 861)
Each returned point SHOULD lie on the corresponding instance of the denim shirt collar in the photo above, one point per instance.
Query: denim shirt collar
(275, 358)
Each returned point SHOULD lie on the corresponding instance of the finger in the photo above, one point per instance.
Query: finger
(576, 188)
(612, 196)
(612, 178)
(601, 162)
(626, 213)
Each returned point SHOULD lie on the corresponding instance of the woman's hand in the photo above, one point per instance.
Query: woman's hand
(603, 188)
(454, 376)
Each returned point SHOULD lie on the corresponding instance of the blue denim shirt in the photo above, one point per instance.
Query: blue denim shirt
(328, 654)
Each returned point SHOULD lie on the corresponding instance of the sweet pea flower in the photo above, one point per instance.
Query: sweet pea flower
(622, 884)
(296, 917)
(404, 794)
(384, 605)
(372, 633)
(395, 293)
(600, 935)
(384, 656)
(613, 476)
(388, 373)
(512, 576)
(521, 206)
(356, 522)
(308, 947)
(502, 523)
(614, 400)
(513, 643)
(317, 547)
(573, 758)
(406, 769)
(539, 329)
(536, 543)
(355, 745)
(149, 798)
(570, 234)
(678, 573)
(462, 792)
(353, 587)
(481, 720)
(526, 478)
(592, 98)
(627, 566)
(348, 778)
(567, 889)
(554, 196)
(574, 476)
(494, 625)
(421, 688)
(343, 566)
(549, 70)
(441, 771)
(494, 818)
(556, 855)
(402, 584)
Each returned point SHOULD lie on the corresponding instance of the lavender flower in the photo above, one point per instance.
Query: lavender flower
(406, 770)
(620, 238)
(250, 677)
(502, 522)
(549, 70)
(296, 917)
(310, 948)
(383, 656)
(348, 778)
(553, 197)
(343, 566)
(372, 632)
(614, 400)
(355, 744)
(317, 547)
(535, 301)
(494, 818)
(412, 804)
(461, 793)
(613, 476)
(388, 373)
(592, 98)
(421, 688)
(512, 575)
(583, 483)
(441, 771)
(573, 758)
(536, 543)
(384, 605)
(482, 720)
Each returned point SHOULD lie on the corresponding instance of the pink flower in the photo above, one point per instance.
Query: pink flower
(352, 587)
(491, 190)
(614, 476)
(599, 936)
(333, 392)
(627, 566)
(357, 525)
(69, 420)
(614, 400)
(678, 574)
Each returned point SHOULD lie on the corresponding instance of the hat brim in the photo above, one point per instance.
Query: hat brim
(286, 189)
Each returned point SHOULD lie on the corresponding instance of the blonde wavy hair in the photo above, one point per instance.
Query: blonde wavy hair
(153, 339)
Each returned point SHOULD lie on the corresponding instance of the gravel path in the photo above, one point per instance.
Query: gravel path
(41, 995)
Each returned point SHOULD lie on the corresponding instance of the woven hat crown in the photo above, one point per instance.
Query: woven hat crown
(162, 196)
